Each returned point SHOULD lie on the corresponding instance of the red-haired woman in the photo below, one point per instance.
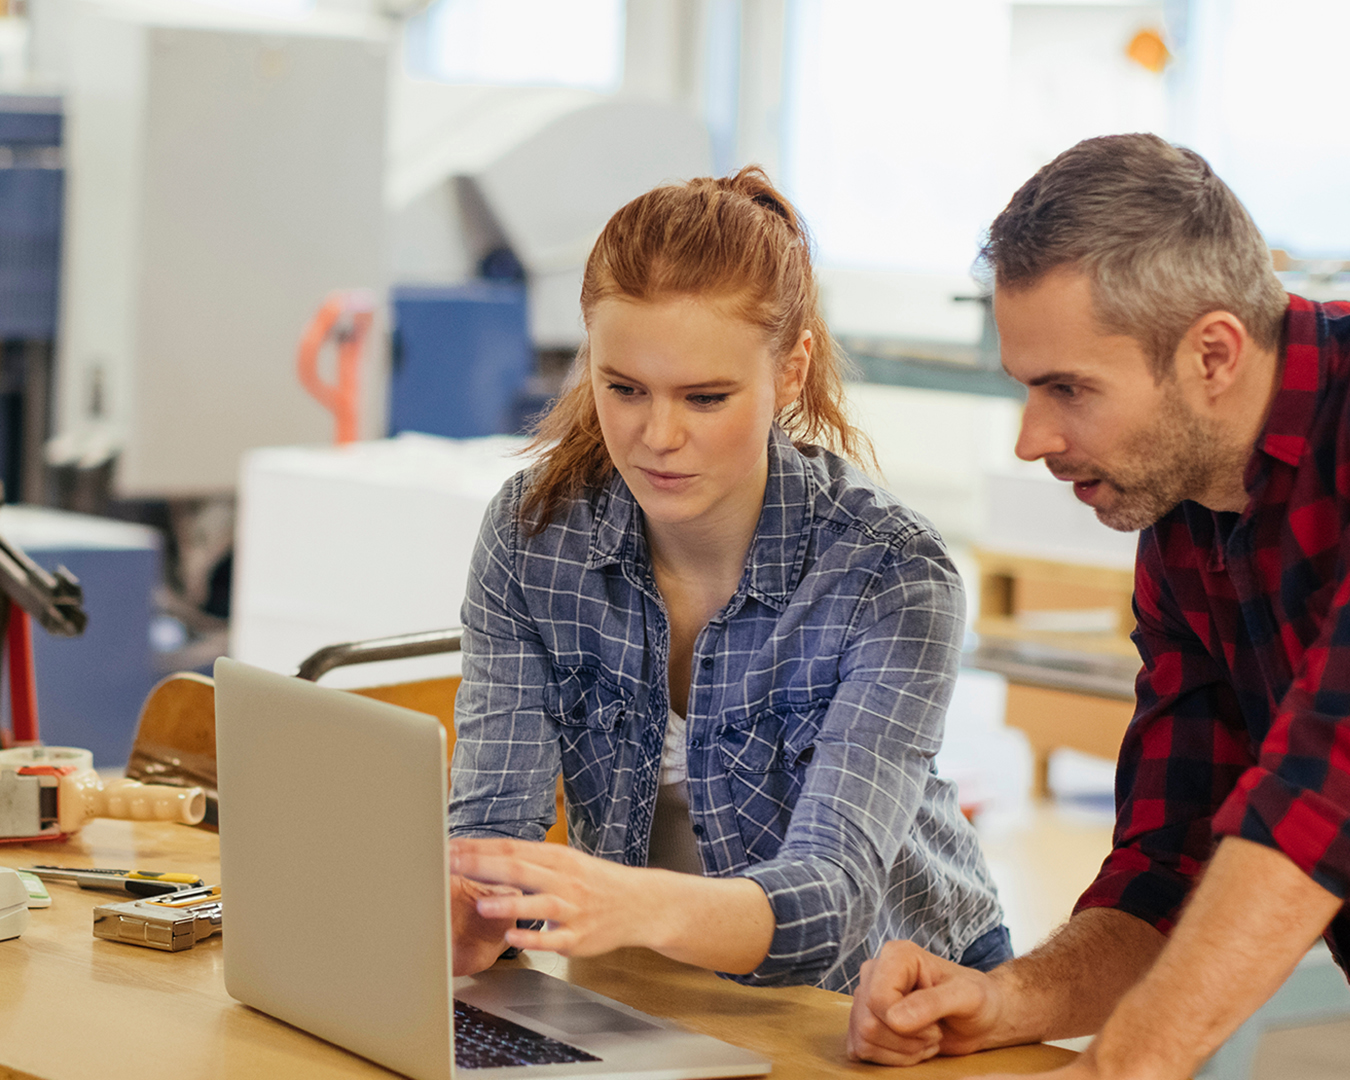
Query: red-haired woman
(734, 646)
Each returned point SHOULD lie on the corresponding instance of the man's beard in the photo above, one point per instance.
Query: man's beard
(1174, 458)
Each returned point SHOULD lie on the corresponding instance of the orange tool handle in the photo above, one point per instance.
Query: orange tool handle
(345, 316)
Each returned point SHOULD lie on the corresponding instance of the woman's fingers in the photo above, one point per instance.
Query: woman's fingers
(515, 863)
(561, 940)
(479, 940)
(587, 902)
(537, 906)
(529, 884)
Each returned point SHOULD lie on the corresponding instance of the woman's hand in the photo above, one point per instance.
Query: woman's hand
(590, 905)
(478, 940)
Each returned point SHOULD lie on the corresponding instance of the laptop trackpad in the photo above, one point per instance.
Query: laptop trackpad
(583, 1017)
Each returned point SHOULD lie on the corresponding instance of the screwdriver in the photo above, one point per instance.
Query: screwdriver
(135, 882)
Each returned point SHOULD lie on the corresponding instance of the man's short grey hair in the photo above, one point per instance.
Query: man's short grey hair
(1161, 238)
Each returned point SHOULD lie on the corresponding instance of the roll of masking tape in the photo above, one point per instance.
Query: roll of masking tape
(59, 756)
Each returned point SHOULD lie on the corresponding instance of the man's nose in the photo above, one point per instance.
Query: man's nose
(1039, 436)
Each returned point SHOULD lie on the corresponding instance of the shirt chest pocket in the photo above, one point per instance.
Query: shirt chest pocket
(583, 698)
(765, 757)
(591, 714)
(775, 740)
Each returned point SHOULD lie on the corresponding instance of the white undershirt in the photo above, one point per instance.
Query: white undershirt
(675, 754)
(674, 845)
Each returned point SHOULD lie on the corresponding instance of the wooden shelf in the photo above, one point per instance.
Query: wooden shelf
(1066, 687)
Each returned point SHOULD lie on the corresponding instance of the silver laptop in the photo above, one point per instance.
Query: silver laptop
(334, 876)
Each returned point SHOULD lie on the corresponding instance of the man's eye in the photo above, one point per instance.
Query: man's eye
(708, 399)
(1064, 390)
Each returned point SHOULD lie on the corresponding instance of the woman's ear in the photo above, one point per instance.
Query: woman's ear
(793, 370)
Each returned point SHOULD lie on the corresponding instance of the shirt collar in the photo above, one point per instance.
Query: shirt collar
(1285, 435)
(616, 526)
(779, 547)
(777, 552)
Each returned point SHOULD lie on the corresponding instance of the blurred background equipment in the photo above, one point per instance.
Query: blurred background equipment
(89, 688)
(225, 177)
(462, 363)
(466, 202)
(49, 793)
(32, 188)
(29, 592)
(345, 319)
(366, 541)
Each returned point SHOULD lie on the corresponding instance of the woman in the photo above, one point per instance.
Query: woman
(735, 647)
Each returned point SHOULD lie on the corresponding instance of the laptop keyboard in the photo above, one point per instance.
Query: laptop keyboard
(483, 1041)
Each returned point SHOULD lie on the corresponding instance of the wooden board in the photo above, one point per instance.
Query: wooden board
(176, 733)
(1014, 585)
(1053, 719)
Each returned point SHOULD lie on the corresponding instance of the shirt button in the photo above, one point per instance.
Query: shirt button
(698, 830)
(579, 712)
(706, 663)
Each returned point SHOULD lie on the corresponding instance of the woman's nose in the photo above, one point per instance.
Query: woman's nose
(663, 430)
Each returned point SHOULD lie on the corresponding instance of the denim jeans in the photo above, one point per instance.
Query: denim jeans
(989, 950)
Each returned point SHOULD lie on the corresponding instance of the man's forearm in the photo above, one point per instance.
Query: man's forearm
(1068, 985)
(1251, 919)
(910, 1004)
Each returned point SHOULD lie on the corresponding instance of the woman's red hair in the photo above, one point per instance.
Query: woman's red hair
(733, 239)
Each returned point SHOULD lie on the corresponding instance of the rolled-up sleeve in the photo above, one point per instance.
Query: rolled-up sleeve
(1182, 754)
(506, 758)
(870, 766)
(1296, 797)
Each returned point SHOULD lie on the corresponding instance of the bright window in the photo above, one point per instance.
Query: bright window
(1261, 103)
(910, 123)
(894, 118)
(575, 43)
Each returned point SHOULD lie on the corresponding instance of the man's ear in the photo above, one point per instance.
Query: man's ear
(793, 371)
(1211, 351)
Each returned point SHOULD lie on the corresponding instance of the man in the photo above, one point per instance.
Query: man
(1180, 390)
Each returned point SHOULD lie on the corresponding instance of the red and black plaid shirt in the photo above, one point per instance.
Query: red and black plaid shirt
(1242, 726)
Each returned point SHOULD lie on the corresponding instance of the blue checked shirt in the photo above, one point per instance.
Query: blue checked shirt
(815, 710)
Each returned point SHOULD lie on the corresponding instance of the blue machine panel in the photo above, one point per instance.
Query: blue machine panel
(30, 251)
(29, 119)
(462, 356)
(31, 190)
(90, 688)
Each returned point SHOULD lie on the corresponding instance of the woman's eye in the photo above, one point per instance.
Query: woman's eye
(708, 399)
(622, 390)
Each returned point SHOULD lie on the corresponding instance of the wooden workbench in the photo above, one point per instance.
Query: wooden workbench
(73, 1006)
